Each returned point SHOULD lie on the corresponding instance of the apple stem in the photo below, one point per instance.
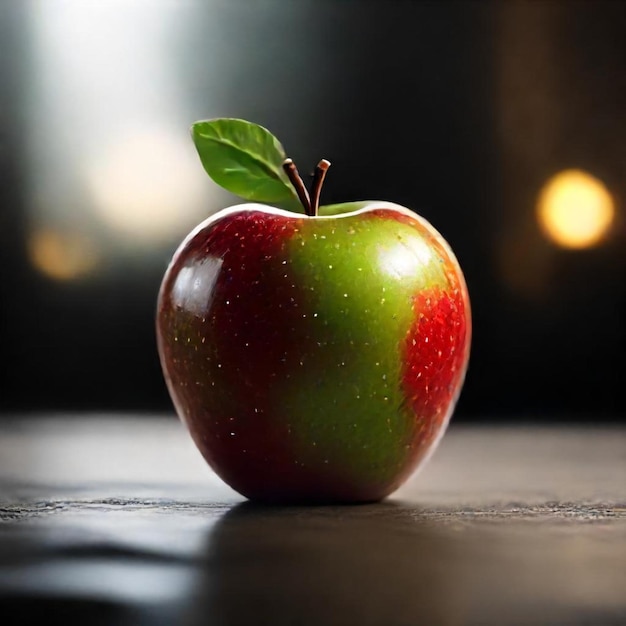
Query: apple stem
(316, 186)
(296, 180)
(310, 203)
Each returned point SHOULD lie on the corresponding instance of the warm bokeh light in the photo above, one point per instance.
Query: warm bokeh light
(575, 209)
(148, 186)
(62, 256)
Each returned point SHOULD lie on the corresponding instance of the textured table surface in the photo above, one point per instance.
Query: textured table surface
(117, 520)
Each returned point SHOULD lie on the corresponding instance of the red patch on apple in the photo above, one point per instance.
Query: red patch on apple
(435, 356)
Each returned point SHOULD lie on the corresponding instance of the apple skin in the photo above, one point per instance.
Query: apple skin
(314, 359)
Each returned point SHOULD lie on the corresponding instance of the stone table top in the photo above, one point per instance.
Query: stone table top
(116, 519)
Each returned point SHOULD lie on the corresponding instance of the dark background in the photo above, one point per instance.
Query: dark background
(459, 110)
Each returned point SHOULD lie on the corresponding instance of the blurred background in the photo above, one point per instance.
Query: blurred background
(501, 122)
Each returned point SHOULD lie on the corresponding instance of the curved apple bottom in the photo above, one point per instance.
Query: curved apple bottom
(314, 359)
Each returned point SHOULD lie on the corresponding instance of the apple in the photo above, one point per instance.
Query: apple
(314, 358)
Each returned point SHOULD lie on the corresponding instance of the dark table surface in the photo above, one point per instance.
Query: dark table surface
(117, 520)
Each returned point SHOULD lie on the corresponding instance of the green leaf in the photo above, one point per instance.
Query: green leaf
(245, 159)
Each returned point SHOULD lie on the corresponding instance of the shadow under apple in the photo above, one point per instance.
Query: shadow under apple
(365, 564)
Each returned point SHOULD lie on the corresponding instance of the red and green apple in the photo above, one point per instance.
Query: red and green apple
(315, 354)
